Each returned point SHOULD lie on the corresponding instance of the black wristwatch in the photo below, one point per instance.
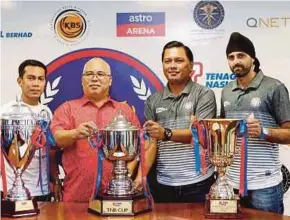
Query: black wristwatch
(167, 134)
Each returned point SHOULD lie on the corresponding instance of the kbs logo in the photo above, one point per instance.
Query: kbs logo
(70, 25)
(208, 14)
(141, 24)
(64, 78)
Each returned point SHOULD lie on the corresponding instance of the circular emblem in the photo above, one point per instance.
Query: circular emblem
(255, 102)
(188, 106)
(208, 14)
(286, 178)
(70, 24)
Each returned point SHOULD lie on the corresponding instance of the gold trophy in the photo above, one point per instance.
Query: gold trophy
(120, 145)
(220, 137)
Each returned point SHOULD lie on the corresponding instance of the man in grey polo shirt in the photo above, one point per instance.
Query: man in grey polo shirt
(264, 101)
(168, 114)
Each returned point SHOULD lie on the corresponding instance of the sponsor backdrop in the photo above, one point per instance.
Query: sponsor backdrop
(130, 37)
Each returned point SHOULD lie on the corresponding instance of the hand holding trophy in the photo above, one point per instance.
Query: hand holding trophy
(120, 145)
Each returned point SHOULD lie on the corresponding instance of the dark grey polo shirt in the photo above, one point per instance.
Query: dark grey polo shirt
(268, 100)
(176, 161)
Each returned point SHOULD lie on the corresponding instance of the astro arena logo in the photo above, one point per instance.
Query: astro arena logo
(208, 14)
(132, 80)
(141, 24)
(70, 24)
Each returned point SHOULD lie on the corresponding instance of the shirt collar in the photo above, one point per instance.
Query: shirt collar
(186, 90)
(254, 84)
(85, 100)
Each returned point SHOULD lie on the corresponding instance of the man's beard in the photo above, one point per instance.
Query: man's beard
(243, 70)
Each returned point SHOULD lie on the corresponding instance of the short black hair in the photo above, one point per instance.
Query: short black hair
(172, 44)
(25, 63)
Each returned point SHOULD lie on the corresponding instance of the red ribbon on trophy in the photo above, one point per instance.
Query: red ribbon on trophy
(143, 138)
(199, 146)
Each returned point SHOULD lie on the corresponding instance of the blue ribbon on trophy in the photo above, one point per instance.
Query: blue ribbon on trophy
(243, 189)
(95, 141)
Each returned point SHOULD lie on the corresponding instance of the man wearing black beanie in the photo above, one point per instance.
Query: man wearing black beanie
(264, 102)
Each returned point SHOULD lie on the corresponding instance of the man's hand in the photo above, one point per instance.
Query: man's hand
(138, 183)
(154, 130)
(193, 119)
(57, 191)
(253, 127)
(84, 130)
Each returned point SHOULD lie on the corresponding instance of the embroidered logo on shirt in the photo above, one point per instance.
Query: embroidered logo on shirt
(188, 106)
(161, 109)
(255, 102)
(226, 103)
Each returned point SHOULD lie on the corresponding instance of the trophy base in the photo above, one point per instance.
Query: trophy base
(106, 205)
(19, 208)
(223, 208)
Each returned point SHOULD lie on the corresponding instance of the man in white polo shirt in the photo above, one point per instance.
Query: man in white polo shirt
(31, 79)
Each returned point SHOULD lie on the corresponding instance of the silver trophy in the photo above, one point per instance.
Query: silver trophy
(120, 145)
(18, 124)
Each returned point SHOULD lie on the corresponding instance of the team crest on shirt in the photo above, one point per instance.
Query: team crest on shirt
(255, 102)
(226, 103)
(133, 81)
(188, 106)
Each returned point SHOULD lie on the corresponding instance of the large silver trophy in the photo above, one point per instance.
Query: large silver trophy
(120, 145)
(220, 136)
(18, 124)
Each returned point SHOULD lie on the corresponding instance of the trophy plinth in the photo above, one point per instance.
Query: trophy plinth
(19, 208)
(120, 145)
(221, 135)
(223, 208)
(108, 205)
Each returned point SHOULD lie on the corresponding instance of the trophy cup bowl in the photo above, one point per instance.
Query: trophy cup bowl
(17, 126)
(120, 145)
(221, 202)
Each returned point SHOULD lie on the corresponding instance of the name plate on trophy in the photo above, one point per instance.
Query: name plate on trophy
(223, 206)
(118, 207)
(23, 205)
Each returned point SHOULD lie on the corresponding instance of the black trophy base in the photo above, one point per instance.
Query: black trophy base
(223, 208)
(106, 205)
(23, 208)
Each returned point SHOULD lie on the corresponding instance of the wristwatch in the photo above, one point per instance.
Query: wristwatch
(167, 134)
(264, 132)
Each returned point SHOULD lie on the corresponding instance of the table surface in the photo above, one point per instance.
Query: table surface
(167, 211)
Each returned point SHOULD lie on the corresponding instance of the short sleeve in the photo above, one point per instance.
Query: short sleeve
(281, 105)
(206, 105)
(62, 119)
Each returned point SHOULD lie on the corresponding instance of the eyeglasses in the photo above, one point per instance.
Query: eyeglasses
(99, 74)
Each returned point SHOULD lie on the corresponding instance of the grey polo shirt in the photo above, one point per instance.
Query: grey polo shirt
(268, 100)
(176, 161)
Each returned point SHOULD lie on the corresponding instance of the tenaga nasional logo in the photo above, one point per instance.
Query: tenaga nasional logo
(70, 25)
(141, 24)
(132, 80)
(208, 14)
